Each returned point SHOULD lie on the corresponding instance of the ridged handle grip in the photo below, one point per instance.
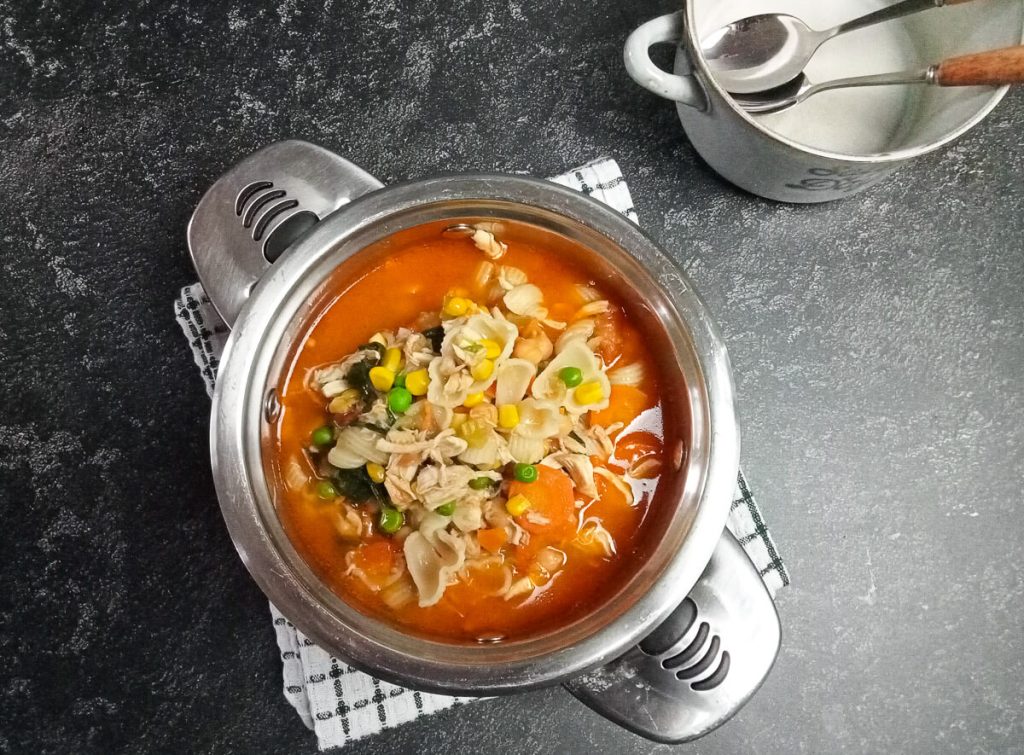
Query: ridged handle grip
(259, 208)
(701, 664)
(992, 68)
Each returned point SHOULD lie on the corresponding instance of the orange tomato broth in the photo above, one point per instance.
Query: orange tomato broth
(412, 279)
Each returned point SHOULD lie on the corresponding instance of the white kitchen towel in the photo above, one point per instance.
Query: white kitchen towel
(338, 702)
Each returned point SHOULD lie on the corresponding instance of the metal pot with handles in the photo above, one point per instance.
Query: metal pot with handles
(691, 632)
(838, 143)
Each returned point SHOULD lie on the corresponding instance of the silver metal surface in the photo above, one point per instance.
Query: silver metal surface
(799, 89)
(760, 156)
(768, 50)
(255, 210)
(680, 548)
(699, 666)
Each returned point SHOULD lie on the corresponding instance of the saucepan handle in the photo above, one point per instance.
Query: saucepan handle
(700, 665)
(646, 73)
(259, 208)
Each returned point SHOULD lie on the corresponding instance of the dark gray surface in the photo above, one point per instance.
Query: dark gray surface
(877, 344)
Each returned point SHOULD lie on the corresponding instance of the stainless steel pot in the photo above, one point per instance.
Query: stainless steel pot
(839, 143)
(715, 631)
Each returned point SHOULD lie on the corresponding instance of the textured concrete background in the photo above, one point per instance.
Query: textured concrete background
(877, 344)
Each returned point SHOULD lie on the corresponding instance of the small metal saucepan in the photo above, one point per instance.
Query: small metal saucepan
(840, 142)
(710, 626)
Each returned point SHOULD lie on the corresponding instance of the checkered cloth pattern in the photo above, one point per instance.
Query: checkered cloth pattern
(335, 700)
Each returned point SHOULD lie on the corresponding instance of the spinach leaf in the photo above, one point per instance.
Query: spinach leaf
(435, 335)
(356, 487)
(358, 376)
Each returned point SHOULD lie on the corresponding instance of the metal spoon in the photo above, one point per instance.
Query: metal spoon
(769, 50)
(994, 68)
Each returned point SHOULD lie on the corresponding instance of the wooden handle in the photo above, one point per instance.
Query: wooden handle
(995, 67)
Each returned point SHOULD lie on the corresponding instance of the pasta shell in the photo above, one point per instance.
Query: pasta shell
(524, 300)
(581, 329)
(354, 447)
(526, 450)
(510, 277)
(432, 561)
(549, 387)
(513, 381)
(538, 419)
(295, 477)
(483, 275)
(448, 387)
(488, 456)
(628, 374)
(455, 358)
(592, 308)
(488, 244)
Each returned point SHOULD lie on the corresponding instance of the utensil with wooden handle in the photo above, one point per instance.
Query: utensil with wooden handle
(992, 68)
(765, 51)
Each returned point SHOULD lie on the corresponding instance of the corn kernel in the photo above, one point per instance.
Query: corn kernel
(482, 370)
(392, 360)
(508, 416)
(417, 382)
(382, 378)
(517, 505)
(457, 420)
(456, 306)
(378, 338)
(589, 393)
(492, 349)
(376, 471)
(473, 399)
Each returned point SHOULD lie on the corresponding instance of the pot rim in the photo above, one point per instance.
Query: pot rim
(246, 374)
(708, 81)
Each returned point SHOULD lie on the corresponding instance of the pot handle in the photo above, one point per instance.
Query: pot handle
(700, 665)
(259, 208)
(667, 28)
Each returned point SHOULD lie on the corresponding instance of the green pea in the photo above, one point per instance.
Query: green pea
(323, 436)
(400, 380)
(446, 509)
(399, 400)
(571, 376)
(480, 483)
(525, 472)
(391, 520)
(326, 490)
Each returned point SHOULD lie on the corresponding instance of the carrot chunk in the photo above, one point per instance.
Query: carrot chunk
(552, 509)
(492, 539)
(624, 404)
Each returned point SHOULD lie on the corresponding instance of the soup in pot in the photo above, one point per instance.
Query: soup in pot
(470, 439)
